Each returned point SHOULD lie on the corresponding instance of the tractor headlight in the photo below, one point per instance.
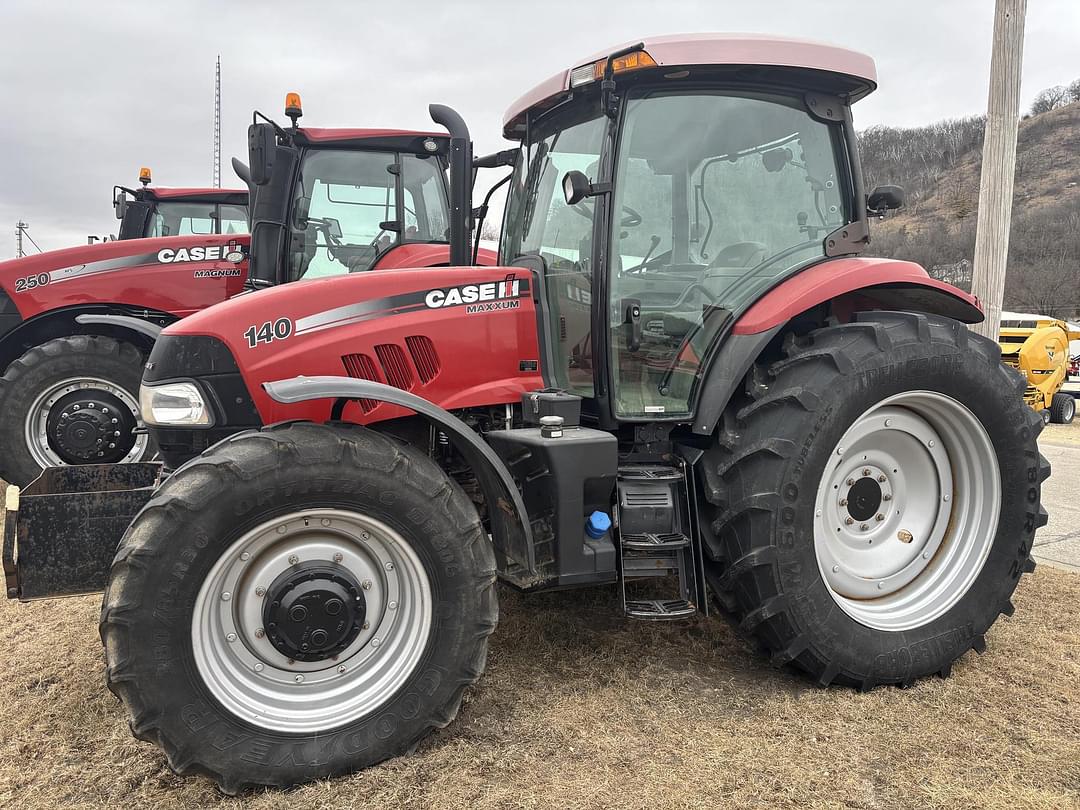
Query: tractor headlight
(173, 404)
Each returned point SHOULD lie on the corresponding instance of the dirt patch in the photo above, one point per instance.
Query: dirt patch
(581, 709)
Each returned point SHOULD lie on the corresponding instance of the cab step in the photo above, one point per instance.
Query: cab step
(657, 610)
(655, 540)
(666, 541)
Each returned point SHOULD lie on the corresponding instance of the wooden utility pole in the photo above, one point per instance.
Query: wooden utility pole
(998, 163)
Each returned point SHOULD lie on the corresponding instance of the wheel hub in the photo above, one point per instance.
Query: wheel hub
(90, 425)
(864, 498)
(313, 612)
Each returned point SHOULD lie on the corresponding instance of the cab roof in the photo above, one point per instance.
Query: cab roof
(853, 74)
(164, 193)
(406, 140)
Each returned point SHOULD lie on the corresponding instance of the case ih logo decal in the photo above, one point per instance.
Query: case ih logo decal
(486, 297)
(231, 252)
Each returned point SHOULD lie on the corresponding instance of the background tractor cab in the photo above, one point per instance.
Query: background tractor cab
(149, 212)
(335, 201)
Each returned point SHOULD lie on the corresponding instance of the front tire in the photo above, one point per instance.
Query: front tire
(1062, 408)
(876, 499)
(296, 603)
(71, 400)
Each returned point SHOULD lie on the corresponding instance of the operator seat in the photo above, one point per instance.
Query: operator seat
(740, 254)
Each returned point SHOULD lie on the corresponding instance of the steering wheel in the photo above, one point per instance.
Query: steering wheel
(631, 220)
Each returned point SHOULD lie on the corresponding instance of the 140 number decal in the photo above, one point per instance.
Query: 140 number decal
(30, 282)
(268, 332)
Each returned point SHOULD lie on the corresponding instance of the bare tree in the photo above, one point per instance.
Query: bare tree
(1050, 99)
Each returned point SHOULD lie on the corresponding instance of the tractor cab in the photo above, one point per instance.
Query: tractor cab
(335, 201)
(149, 212)
(664, 188)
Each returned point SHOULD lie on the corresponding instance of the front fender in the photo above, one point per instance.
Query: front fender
(510, 527)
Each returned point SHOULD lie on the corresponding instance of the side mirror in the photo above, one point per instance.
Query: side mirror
(262, 143)
(884, 198)
(576, 187)
(333, 227)
(120, 204)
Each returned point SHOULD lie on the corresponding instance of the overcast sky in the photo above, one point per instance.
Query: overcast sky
(93, 90)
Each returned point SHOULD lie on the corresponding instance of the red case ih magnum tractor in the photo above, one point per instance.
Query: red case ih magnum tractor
(682, 376)
(77, 324)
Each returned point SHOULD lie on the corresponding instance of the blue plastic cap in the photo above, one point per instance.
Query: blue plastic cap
(597, 525)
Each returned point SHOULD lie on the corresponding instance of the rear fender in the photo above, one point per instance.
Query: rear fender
(838, 288)
(510, 527)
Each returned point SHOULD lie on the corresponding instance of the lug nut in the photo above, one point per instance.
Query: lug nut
(231, 637)
(226, 596)
(851, 482)
(245, 556)
(866, 471)
(843, 501)
(366, 625)
(879, 517)
(881, 478)
(259, 633)
(298, 678)
(281, 530)
(104, 410)
(392, 606)
(342, 668)
(930, 443)
(115, 421)
(849, 520)
(886, 497)
(375, 642)
(365, 536)
(260, 591)
(946, 499)
(864, 527)
(338, 557)
(293, 559)
(366, 585)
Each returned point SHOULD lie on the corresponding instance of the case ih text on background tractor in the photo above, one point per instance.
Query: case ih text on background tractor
(77, 324)
(681, 376)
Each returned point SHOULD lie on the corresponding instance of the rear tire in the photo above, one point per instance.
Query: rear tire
(770, 477)
(78, 375)
(225, 703)
(1062, 408)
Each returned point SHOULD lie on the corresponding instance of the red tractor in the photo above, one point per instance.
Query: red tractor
(76, 325)
(682, 381)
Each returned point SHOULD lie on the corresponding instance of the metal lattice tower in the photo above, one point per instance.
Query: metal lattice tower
(20, 226)
(217, 124)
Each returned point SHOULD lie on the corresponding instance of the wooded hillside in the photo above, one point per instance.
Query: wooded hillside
(939, 165)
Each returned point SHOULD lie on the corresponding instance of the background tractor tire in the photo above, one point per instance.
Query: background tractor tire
(1062, 408)
(263, 486)
(94, 380)
(770, 478)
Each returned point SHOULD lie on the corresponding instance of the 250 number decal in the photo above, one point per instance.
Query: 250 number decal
(268, 332)
(30, 282)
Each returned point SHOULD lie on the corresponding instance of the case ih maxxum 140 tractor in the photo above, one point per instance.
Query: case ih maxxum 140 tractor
(682, 380)
(76, 325)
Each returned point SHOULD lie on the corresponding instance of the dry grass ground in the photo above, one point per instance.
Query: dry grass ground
(581, 709)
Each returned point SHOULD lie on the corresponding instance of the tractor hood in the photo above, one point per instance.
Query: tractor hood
(175, 274)
(456, 336)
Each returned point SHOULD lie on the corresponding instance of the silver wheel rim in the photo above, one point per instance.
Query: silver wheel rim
(1068, 410)
(927, 539)
(37, 418)
(253, 680)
